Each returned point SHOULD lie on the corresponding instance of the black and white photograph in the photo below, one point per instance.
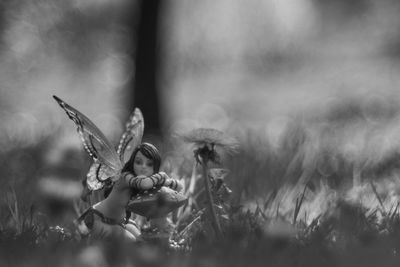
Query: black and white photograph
(199, 133)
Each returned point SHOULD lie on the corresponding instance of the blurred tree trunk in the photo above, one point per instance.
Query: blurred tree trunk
(145, 91)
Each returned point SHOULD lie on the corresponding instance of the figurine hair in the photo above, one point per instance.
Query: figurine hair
(149, 151)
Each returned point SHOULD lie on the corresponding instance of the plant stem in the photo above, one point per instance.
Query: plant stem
(299, 202)
(377, 196)
(214, 218)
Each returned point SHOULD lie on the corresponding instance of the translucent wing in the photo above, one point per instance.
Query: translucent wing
(97, 174)
(132, 136)
(95, 143)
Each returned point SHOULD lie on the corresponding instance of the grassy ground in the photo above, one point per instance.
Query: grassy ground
(309, 200)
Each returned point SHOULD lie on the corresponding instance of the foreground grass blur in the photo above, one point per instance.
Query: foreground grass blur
(324, 193)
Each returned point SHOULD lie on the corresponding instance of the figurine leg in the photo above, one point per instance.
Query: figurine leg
(102, 230)
(129, 236)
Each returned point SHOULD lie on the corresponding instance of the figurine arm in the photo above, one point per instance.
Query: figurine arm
(142, 182)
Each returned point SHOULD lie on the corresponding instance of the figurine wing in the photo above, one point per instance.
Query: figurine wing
(132, 136)
(97, 174)
(94, 141)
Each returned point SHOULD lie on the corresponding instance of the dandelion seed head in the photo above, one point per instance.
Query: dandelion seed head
(209, 136)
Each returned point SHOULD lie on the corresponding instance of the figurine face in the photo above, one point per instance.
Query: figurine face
(142, 165)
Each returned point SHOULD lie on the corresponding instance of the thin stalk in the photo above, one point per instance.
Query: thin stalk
(14, 209)
(189, 226)
(189, 194)
(377, 196)
(271, 197)
(214, 218)
(299, 202)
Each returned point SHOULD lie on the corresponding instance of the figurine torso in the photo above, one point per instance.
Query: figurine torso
(114, 205)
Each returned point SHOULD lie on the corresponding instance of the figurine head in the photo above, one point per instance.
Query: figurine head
(145, 160)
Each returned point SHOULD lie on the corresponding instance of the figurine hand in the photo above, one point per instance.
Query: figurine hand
(179, 186)
(173, 184)
(167, 182)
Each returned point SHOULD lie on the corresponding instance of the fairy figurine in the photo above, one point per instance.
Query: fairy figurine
(135, 186)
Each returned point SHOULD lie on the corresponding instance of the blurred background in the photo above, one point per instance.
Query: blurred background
(308, 87)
